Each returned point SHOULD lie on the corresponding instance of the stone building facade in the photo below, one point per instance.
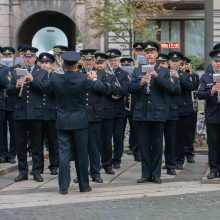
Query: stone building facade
(21, 19)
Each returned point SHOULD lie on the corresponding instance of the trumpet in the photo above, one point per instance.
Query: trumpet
(187, 69)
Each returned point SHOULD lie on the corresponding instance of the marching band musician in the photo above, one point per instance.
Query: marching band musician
(28, 115)
(3, 85)
(209, 90)
(150, 112)
(49, 115)
(9, 154)
(107, 114)
(138, 53)
(189, 148)
(70, 91)
(119, 105)
(94, 109)
(185, 107)
(130, 102)
(170, 124)
(57, 51)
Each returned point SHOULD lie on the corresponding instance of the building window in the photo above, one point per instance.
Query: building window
(194, 38)
(186, 36)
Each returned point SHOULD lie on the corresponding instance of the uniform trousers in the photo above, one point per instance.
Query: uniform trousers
(183, 137)
(50, 133)
(169, 150)
(2, 119)
(94, 145)
(78, 138)
(9, 153)
(213, 137)
(150, 140)
(106, 147)
(118, 139)
(34, 129)
(189, 147)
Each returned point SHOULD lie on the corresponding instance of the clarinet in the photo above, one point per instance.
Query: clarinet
(148, 84)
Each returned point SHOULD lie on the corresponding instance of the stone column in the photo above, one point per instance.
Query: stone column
(208, 29)
(4, 23)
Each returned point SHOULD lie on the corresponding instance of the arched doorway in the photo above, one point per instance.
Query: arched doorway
(47, 19)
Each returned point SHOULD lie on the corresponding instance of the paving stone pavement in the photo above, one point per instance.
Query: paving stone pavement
(33, 200)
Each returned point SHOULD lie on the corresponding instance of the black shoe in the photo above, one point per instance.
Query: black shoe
(211, 175)
(190, 160)
(3, 160)
(30, 154)
(20, 178)
(11, 160)
(89, 189)
(164, 167)
(76, 180)
(54, 172)
(109, 171)
(137, 158)
(63, 192)
(179, 167)
(171, 172)
(116, 165)
(130, 152)
(144, 180)
(38, 178)
(97, 179)
(157, 180)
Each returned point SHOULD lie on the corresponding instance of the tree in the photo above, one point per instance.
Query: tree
(124, 17)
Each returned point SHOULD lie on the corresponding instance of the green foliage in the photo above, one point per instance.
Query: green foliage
(197, 63)
(124, 17)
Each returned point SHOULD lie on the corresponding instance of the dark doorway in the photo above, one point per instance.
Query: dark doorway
(47, 19)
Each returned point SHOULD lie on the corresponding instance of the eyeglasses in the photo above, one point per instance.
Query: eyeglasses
(28, 56)
(216, 60)
(99, 61)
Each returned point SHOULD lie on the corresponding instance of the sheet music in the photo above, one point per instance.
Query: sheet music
(21, 72)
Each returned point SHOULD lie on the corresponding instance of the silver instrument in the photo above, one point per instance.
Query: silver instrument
(109, 70)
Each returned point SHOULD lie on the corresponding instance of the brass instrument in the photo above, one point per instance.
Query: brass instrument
(187, 69)
(80, 65)
(109, 70)
(57, 65)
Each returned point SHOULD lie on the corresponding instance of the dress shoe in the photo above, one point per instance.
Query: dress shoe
(144, 180)
(179, 167)
(171, 172)
(164, 167)
(109, 171)
(190, 160)
(97, 179)
(157, 180)
(89, 189)
(20, 178)
(116, 165)
(12, 161)
(38, 178)
(137, 158)
(76, 180)
(3, 160)
(130, 152)
(212, 175)
(54, 172)
(63, 192)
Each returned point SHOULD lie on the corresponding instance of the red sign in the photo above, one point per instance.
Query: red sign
(173, 45)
